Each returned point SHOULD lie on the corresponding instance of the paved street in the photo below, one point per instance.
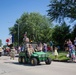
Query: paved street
(12, 67)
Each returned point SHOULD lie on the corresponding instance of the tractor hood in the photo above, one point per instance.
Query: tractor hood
(39, 54)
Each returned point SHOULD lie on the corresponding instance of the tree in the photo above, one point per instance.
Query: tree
(60, 9)
(74, 32)
(60, 34)
(0, 42)
(35, 25)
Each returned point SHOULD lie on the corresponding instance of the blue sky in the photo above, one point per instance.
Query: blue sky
(11, 10)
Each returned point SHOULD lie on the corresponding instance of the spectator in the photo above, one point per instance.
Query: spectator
(19, 49)
(40, 46)
(7, 51)
(70, 47)
(75, 43)
(73, 53)
(45, 47)
(66, 45)
(48, 48)
(69, 42)
(12, 53)
(51, 45)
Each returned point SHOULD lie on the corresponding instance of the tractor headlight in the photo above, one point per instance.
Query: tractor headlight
(43, 55)
(39, 55)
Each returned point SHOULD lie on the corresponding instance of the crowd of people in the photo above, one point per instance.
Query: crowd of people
(71, 48)
(33, 48)
(8, 52)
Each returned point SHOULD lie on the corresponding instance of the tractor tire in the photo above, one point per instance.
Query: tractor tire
(20, 59)
(23, 60)
(48, 61)
(38, 62)
(33, 61)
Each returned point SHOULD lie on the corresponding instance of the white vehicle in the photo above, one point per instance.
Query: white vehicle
(1, 51)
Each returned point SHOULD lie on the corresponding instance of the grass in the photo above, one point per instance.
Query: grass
(61, 56)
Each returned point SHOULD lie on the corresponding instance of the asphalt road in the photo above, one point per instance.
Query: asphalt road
(12, 67)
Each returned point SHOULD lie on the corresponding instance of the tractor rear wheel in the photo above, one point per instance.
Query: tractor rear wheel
(23, 60)
(20, 59)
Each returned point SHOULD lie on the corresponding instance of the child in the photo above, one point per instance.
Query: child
(55, 52)
(73, 53)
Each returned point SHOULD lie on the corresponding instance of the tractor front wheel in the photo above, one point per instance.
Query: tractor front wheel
(33, 61)
(48, 61)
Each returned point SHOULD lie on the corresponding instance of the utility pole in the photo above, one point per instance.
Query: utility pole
(18, 34)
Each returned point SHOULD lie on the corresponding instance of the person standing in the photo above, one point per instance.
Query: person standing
(70, 47)
(51, 45)
(56, 52)
(66, 45)
(73, 53)
(39, 47)
(26, 41)
(75, 43)
(45, 47)
(12, 53)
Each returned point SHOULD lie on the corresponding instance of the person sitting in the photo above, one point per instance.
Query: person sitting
(36, 48)
(30, 50)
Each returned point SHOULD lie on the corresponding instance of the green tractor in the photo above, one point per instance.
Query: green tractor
(34, 59)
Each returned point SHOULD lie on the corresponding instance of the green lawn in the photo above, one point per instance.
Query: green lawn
(61, 56)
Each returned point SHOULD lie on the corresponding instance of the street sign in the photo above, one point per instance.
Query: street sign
(7, 40)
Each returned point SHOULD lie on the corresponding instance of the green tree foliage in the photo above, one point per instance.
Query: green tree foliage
(0, 42)
(38, 27)
(74, 32)
(60, 34)
(60, 9)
